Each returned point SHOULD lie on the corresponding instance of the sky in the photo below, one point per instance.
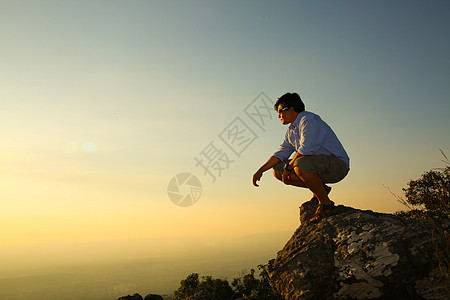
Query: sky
(104, 103)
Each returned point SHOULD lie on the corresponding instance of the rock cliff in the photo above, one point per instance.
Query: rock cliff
(356, 254)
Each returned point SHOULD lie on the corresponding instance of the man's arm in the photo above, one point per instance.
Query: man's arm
(312, 133)
(267, 166)
(290, 167)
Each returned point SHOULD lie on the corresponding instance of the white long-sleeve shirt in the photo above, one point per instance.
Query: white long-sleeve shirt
(310, 135)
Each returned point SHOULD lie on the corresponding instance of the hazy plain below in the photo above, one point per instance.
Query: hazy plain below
(110, 269)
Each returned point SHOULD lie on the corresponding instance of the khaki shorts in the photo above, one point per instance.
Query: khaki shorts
(329, 168)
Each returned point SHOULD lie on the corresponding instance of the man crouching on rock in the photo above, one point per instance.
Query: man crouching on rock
(319, 156)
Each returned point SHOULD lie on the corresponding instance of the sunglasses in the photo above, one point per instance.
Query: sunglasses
(283, 109)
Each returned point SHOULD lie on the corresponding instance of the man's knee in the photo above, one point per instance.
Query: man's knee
(278, 175)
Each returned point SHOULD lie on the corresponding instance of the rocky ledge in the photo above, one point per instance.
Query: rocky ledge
(356, 254)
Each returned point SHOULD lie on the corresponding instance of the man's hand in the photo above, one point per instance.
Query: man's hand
(267, 166)
(256, 177)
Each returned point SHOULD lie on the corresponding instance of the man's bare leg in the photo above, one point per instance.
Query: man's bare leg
(315, 184)
(292, 179)
(302, 178)
(296, 181)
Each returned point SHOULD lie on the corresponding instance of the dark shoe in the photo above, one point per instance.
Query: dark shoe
(322, 211)
(314, 199)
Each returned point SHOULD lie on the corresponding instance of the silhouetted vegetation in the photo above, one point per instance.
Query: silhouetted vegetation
(247, 286)
(431, 192)
(429, 195)
(426, 199)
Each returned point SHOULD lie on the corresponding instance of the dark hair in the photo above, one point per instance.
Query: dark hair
(291, 100)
